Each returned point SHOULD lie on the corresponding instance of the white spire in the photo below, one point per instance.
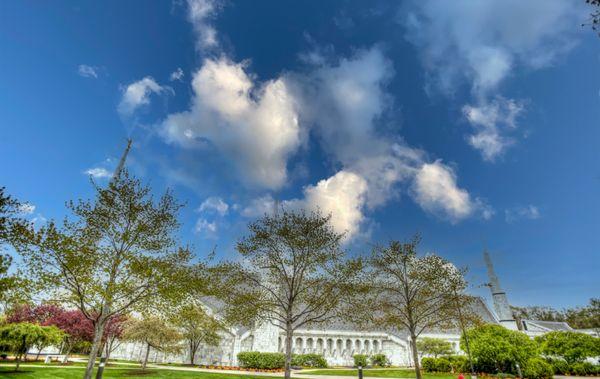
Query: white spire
(501, 305)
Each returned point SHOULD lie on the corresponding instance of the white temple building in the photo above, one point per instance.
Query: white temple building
(338, 341)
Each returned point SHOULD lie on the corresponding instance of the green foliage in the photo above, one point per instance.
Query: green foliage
(537, 368)
(583, 369)
(360, 360)
(261, 361)
(379, 360)
(436, 364)
(196, 327)
(434, 346)
(571, 346)
(497, 349)
(459, 363)
(309, 360)
(154, 332)
(560, 366)
(18, 338)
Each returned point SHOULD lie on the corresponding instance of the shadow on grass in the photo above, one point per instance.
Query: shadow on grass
(15, 373)
(139, 372)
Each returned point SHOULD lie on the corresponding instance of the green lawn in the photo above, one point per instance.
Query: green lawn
(379, 373)
(77, 373)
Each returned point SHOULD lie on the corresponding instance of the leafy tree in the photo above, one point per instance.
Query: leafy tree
(497, 349)
(434, 346)
(77, 327)
(52, 336)
(571, 346)
(117, 252)
(155, 333)
(413, 292)
(113, 334)
(293, 273)
(9, 212)
(21, 337)
(594, 15)
(587, 317)
(197, 327)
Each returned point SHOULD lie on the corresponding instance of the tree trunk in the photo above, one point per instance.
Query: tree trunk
(288, 352)
(98, 331)
(193, 349)
(415, 354)
(146, 357)
(37, 356)
(18, 359)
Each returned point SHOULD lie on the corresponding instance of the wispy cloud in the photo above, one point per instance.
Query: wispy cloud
(483, 43)
(138, 94)
(177, 75)
(529, 212)
(98, 172)
(26, 209)
(214, 204)
(87, 71)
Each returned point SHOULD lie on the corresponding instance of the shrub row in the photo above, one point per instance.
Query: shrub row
(452, 363)
(561, 367)
(375, 360)
(262, 361)
(309, 360)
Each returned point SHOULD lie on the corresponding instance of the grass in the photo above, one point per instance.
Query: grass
(379, 373)
(76, 373)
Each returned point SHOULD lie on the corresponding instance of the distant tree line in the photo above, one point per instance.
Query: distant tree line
(585, 317)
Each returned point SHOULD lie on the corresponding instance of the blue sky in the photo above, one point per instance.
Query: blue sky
(473, 123)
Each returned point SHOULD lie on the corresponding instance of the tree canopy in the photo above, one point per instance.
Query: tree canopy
(293, 273)
(434, 346)
(571, 346)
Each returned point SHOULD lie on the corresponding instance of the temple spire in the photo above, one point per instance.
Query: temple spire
(501, 305)
(119, 168)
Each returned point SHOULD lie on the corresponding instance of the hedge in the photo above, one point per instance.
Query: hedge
(361, 360)
(443, 364)
(263, 361)
(309, 360)
(537, 368)
(379, 360)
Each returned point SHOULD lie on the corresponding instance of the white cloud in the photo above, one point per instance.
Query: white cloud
(98, 172)
(138, 94)
(199, 13)
(530, 212)
(177, 75)
(87, 71)
(26, 209)
(492, 123)
(255, 125)
(483, 43)
(436, 191)
(208, 229)
(214, 204)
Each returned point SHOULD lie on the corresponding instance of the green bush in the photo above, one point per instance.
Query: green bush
(428, 364)
(459, 363)
(309, 360)
(360, 360)
(571, 346)
(537, 368)
(503, 375)
(379, 360)
(560, 367)
(258, 360)
(583, 369)
(497, 349)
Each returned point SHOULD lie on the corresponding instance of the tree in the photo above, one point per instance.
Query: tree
(20, 337)
(76, 326)
(197, 327)
(434, 346)
(587, 317)
(115, 253)
(155, 333)
(497, 349)
(52, 336)
(10, 208)
(412, 292)
(594, 15)
(113, 334)
(294, 273)
(573, 347)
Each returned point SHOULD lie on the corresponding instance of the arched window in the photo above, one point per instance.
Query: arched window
(319, 345)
